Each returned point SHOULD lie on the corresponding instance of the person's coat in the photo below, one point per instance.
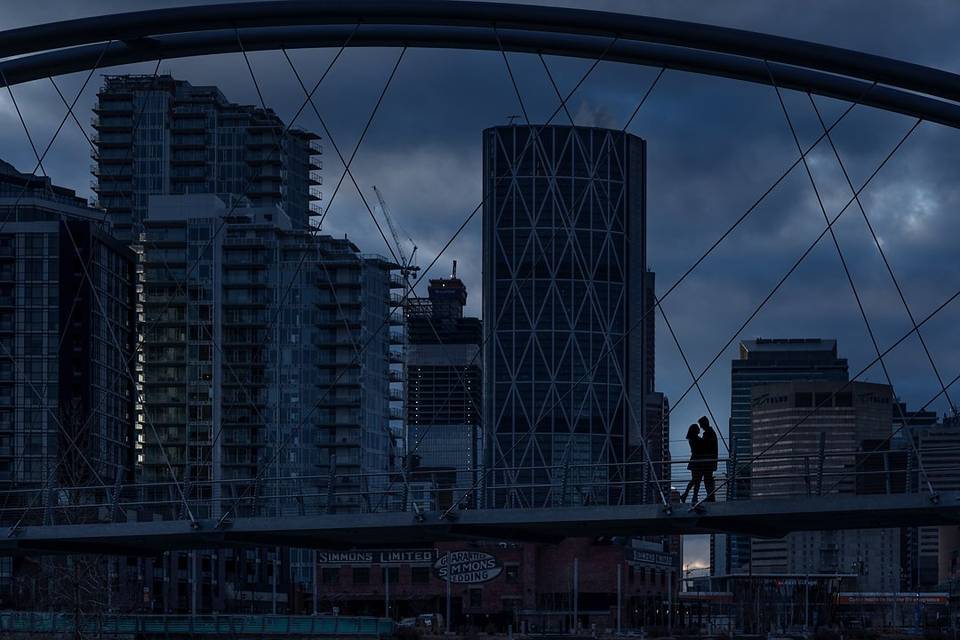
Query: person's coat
(711, 451)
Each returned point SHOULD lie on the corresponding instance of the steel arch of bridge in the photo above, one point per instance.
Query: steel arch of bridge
(36, 52)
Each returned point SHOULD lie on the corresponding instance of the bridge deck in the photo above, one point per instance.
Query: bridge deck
(761, 517)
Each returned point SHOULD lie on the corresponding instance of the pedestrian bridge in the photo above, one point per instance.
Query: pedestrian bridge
(773, 517)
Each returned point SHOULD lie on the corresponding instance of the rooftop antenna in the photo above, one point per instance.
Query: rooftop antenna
(454, 269)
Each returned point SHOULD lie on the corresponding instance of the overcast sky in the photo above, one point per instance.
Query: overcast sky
(714, 146)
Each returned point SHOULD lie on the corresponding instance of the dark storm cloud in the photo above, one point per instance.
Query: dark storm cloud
(713, 146)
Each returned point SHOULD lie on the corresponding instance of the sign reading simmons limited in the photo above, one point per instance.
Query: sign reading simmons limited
(467, 567)
(385, 556)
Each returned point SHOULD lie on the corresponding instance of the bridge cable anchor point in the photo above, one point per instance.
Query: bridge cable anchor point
(935, 498)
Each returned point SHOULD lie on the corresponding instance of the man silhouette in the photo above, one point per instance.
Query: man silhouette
(710, 455)
(698, 464)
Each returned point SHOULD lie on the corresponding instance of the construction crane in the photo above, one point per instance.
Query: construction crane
(406, 264)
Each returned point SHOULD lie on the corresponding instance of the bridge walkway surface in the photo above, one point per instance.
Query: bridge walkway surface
(773, 517)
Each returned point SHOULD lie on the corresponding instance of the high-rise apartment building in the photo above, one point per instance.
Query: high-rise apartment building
(266, 349)
(799, 428)
(67, 338)
(443, 385)
(156, 135)
(764, 361)
(355, 312)
(563, 255)
(266, 355)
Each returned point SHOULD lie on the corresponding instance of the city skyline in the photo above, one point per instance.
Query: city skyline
(428, 172)
(700, 180)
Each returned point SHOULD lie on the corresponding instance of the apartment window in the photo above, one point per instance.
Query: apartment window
(476, 597)
(512, 573)
(361, 575)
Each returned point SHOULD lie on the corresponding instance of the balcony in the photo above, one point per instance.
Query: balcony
(113, 107)
(111, 122)
(188, 125)
(112, 167)
(106, 187)
(188, 142)
(112, 140)
(261, 141)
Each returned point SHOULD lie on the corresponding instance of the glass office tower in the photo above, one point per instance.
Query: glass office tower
(765, 361)
(563, 296)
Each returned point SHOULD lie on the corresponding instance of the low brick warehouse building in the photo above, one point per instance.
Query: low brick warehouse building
(531, 586)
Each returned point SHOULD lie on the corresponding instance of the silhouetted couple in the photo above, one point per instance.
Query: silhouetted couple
(703, 459)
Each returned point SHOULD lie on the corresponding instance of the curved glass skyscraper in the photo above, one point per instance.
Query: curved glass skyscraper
(563, 255)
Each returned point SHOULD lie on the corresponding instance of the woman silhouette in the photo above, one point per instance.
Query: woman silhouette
(698, 466)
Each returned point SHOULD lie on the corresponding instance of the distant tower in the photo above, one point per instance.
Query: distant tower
(849, 419)
(443, 382)
(563, 247)
(765, 361)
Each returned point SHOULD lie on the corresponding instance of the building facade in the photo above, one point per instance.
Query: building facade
(764, 361)
(266, 356)
(495, 586)
(563, 254)
(67, 339)
(443, 387)
(262, 352)
(799, 428)
(156, 135)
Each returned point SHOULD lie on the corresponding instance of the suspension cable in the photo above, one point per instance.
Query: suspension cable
(883, 255)
(843, 260)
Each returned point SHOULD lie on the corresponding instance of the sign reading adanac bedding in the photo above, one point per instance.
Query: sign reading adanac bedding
(467, 567)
